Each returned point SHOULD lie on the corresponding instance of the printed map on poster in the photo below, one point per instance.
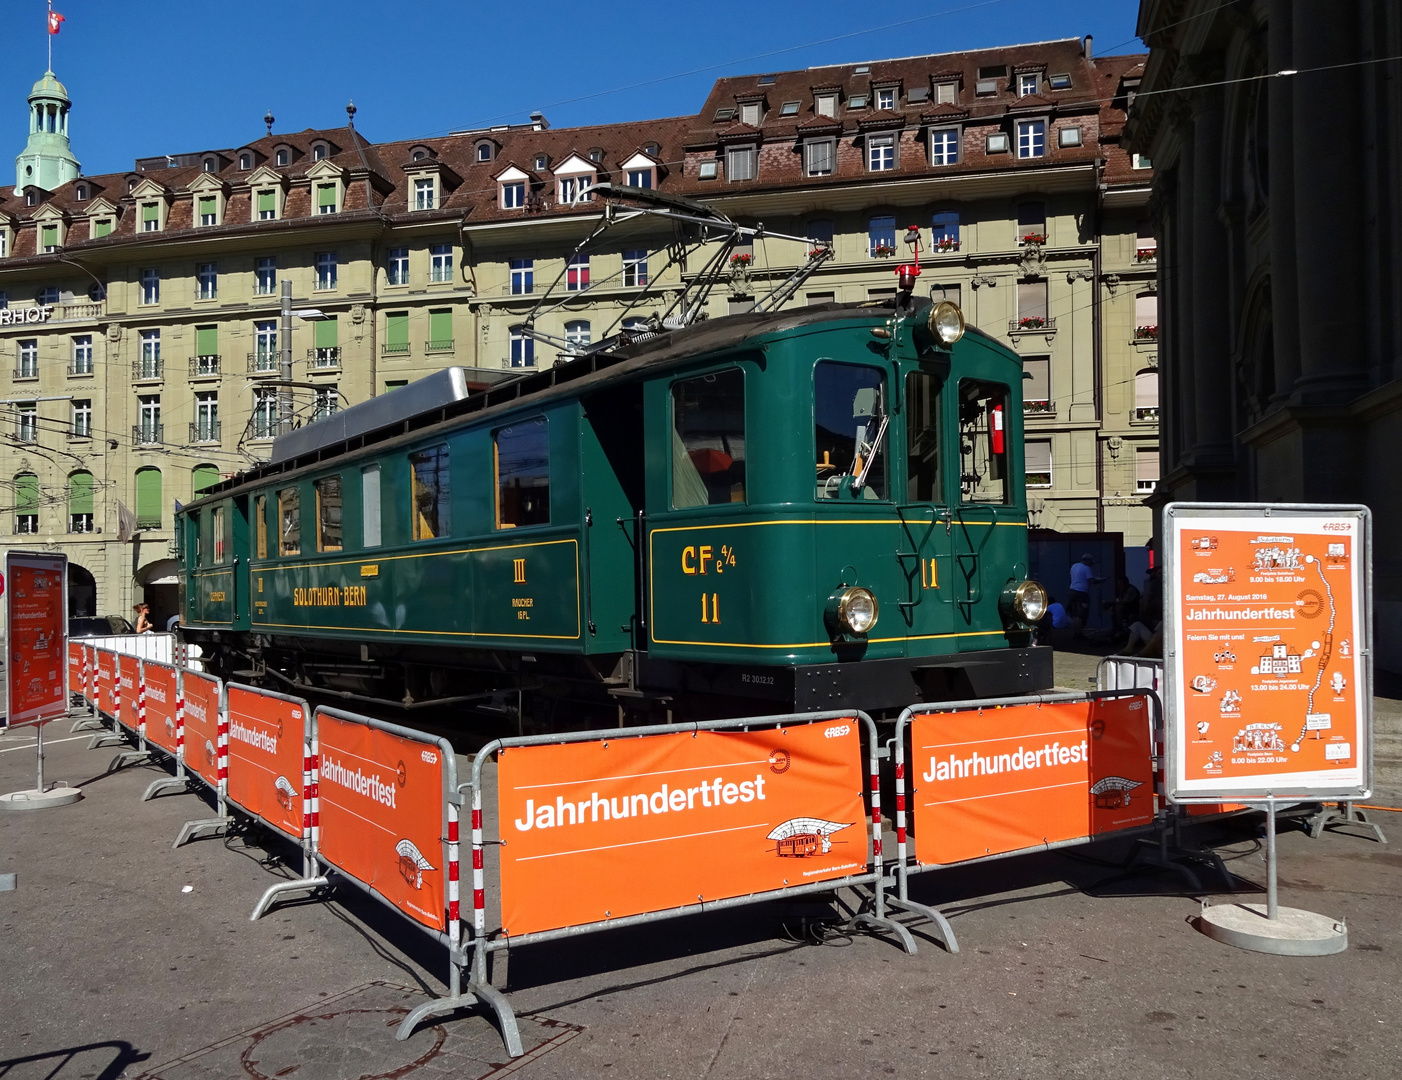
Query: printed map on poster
(1268, 626)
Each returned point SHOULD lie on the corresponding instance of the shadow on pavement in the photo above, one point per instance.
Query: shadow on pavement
(123, 1056)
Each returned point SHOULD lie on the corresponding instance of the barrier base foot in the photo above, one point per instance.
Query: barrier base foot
(190, 829)
(274, 891)
(106, 738)
(129, 757)
(475, 993)
(1334, 817)
(942, 927)
(169, 783)
(890, 926)
(86, 722)
(1291, 933)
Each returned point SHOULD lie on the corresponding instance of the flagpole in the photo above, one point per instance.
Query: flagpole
(49, 34)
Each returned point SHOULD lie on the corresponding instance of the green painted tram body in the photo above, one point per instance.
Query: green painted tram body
(730, 597)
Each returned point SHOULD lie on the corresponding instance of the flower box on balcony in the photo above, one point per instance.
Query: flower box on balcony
(1034, 238)
(1031, 322)
(1034, 408)
(741, 260)
(1146, 254)
(1146, 333)
(882, 251)
(946, 243)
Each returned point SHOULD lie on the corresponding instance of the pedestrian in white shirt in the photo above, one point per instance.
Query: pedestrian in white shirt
(1078, 602)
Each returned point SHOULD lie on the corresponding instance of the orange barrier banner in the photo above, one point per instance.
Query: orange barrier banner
(75, 668)
(598, 830)
(128, 683)
(106, 682)
(201, 694)
(382, 815)
(267, 754)
(160, 686)
(991, 781)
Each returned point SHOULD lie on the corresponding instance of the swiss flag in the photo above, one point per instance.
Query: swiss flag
(55, 21)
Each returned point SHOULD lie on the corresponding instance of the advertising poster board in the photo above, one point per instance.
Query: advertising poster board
(201, 694)
(36, 617)
(267, 752)
(159, 683)
(1267, 633)
(382, 815)
(992, 781)
(128, 683)
(657, 822)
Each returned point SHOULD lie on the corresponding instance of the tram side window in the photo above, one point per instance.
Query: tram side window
(983, 442)
(260, 525)
(195, 551)
(289, 512)
(217, 528)
(708, 440)
(328, 513)
(849, 411)
(923, 481)
(429, 473)
(523, 473)
(370, 506)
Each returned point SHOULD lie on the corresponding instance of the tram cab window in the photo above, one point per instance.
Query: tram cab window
(289, 512)
(217, 529)
(328, 513)
(370, 506)
(522, 454)
(708, 440)
(983, 442)
(260, 526)
(923, 480)
(431, 491)
(849, 429)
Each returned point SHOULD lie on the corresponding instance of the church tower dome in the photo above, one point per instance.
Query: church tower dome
(47, 160)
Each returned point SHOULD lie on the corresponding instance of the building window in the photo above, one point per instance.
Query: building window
(1027, 84)
(996, 143)
(522, 348)
(575, 189)
(267, 205)
(326, 270)
(27, 422)
(28, 367)
(150, 286)
(149, 366)
(1146, 395)
(26, 503)
(708, 170)
(577, 273)
(440, 330)
(1139, 161)
(881, 153)
(577, 333)
(708, 440)
(825, 105)
(944, 231)
(150, 217)
(523, 474)
(819, 156)
(82, 355)
(265, 275)
(1032, 305)
(542, 162)
(1146, 317)
(423, 193)
(740, 163)
(431, 493)
(881, 237)
(750, 114)
(82, 192)
(206, 425)
(886, 99)
(80, 501)
(1060, 82)
(1037, 462)
(397, 266)
(245, 162)
(819, 232)
(1068, 136)
(48, 239)
(264, 414)
(944, 146)
(328, 513)
(522, 276)
(1036, 390)
(209, 210)
(484, 151)
(326, 198)
(207, 275)
(281, 158)
(857, 101)
(81, 425)
(148, 431)
(1032, 223)
(370, 506)
(47, 296)
(634, 268)
(319, 152)
(100, 227)
(1146, 245)
(1146, 470)
(1031, 138)
(289, 512)
(640, 178)
(441, 262)
(513, 195)
(265, 353)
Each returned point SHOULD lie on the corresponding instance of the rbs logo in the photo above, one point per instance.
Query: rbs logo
(837, 732)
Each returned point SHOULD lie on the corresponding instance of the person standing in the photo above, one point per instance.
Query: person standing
(1082, 578)
(143, 618)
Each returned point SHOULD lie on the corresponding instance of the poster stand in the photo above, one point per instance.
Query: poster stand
(40, 797)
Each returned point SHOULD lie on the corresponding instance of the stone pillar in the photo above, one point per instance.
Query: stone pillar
(1285, 292)
(1329, 202)
(1182, 384)
(1211, 347)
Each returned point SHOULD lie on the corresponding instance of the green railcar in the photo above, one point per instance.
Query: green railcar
(792, 511)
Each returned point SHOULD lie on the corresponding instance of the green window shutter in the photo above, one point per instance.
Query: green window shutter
(204, 476)
(150, 212)
(266, 202)
(102, 228)
(80, 493)
(206, 340)
(397, 328)
(207, 204)
(26, 494)
(326, 195)
(440, 326)
(148, 494)
(325, 333)
(50, 236)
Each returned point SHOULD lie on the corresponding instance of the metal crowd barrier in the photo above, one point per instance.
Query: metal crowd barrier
(160, 647)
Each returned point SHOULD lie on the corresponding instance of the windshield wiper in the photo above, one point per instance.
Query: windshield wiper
(875, 449)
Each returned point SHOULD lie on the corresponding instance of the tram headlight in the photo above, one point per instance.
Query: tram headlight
(1025, 602)
(854, 609)
(946, 322)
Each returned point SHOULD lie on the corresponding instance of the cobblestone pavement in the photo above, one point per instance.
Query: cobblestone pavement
(120, 957)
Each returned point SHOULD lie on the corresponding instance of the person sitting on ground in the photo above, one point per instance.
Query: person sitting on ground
(1125, 604)
(1143, 641)
(1055, 619)
(143, 618)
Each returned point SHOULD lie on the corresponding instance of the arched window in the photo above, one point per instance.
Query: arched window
(148, 498)
(1146, 317)
(80, 501)
(26, 503)
(1146, 395)
(203, 477)
(419, 155)
(210, 165)
(319, 152)
(820, 230)
(82, 192)
(577, 332)
(282, 157)
(245, 162)
(484, 151)
(944, 231)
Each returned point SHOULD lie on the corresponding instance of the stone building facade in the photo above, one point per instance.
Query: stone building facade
(143, 307)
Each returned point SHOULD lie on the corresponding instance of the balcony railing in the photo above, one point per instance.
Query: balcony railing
(80, 523)
(27, 431)
(395, 348)
(439, 274)
(27, 371)
(325, 356)
(148, 370)
(1146, 412)
(80, 367)
(263, 363)
(1032, 324)
(79, 312)
(446, 345)
(1039, 408)
(147, 434)
(80, 431)
(204, 365)
(204, 431)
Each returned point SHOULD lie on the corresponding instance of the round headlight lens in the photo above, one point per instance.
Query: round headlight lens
(947, 322)
(1030, 602)
(857, 610)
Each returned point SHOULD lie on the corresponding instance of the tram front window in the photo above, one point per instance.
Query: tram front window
(983, 442)
(923, 482)
(708, 440)
(849, 408)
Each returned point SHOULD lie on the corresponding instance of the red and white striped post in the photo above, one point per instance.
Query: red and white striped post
(479, 891)
(141, 699)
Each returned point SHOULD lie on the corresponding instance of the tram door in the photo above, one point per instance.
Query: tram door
(986, 501)
(612, 462)
(926, 610)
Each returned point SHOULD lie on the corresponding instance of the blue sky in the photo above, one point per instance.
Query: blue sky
(179, 77)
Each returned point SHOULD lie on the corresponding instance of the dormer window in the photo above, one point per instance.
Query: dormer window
(131, 185)
(281, 158)
(946, 93)
(49, 241)
(575, 189)
(825, 105)
(857, 101)
(513, 195)
(81, 192)
(151, 217)
(419, 155)
(485, 151)
(596, 154)
(210, 165)
(326, 198)
(101, 227)
(424, 193)
(750, 113)
(1027, 84)
(652, 148)
(245, 162)
(1060, 82)
(886, 99)
(640, 171)
(789, 108)
(542, 162)
(741, 162)
(725, 115)
(209, 209)
(31, 197)
(265, 204)
(319, 152)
